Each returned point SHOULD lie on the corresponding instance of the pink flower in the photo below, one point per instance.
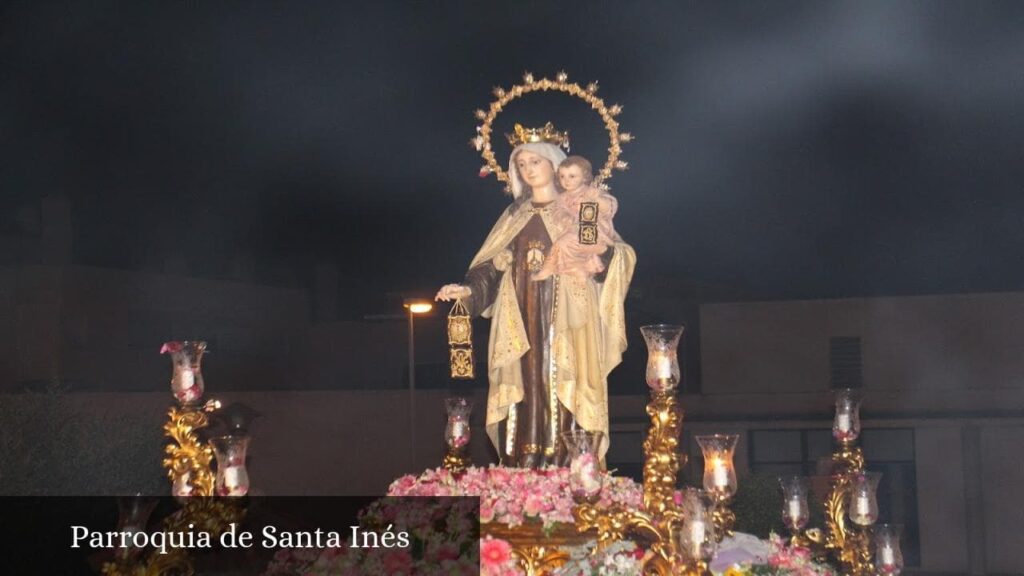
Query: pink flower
(781, 560)
(534, 505)
(403, 484)
(800, 553)
(494, 552)
(498, 475)
(515, 507)
(486, 513)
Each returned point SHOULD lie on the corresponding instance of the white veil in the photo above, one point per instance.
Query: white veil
(549, 151)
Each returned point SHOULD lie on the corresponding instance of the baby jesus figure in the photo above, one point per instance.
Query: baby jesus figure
(578, 250)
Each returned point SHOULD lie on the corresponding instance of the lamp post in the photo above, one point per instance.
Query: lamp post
(414, 306)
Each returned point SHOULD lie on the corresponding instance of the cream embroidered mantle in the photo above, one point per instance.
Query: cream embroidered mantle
(588, 337)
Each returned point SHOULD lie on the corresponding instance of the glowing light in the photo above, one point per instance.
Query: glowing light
(417, 306)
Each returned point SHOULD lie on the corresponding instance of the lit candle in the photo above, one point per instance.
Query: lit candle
(184, 386)
(887, 555)
(188, 379)
(862, 513)
(843, 422)
(794, 508)
(233, 476)
(663, 366)
(719, 473)
(697, 534)
(459, 432)
(236, 481)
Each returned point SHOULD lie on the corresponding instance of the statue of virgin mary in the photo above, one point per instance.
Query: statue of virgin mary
(553, 342)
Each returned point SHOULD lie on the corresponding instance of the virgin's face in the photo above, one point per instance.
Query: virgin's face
(535, 170)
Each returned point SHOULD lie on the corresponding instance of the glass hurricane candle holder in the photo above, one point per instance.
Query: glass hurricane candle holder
(457, 431)
(863, 503)
(697, 535)
(662, 357)
(236, 418)
(232, 476)
(187, 377)
(888, 557)
(846, 426)
(585, 478)
(133, 516)
(719, 472)
(795, 510)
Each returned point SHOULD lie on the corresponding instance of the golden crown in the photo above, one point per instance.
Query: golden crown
(547, 134)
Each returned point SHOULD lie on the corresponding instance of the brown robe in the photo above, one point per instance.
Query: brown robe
(535, 436)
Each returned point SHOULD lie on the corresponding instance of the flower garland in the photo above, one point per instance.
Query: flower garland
(514, 496)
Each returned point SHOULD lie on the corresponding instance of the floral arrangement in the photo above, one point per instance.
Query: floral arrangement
(514, 496)
(442, 539)
(783, 560)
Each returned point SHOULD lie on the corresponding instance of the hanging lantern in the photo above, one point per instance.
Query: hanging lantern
(460, 342)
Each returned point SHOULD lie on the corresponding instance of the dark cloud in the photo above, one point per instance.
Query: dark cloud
(787, 149)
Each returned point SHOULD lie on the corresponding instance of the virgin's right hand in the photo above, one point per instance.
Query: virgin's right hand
(452, 291)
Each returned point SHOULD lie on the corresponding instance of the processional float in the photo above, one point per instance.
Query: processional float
(680, 527)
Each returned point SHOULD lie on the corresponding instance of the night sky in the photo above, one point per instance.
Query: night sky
(784, 150)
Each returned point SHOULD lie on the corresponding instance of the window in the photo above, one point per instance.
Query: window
(626, 454)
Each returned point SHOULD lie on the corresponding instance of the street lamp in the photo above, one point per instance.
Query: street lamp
(414, 306)
(418, 307)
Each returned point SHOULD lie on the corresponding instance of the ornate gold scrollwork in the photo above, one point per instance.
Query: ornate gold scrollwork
(188, 461)
(724, 518)
(850, 544)
(455, 462)
(538, 560)
(662, 460)
(658, 523)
